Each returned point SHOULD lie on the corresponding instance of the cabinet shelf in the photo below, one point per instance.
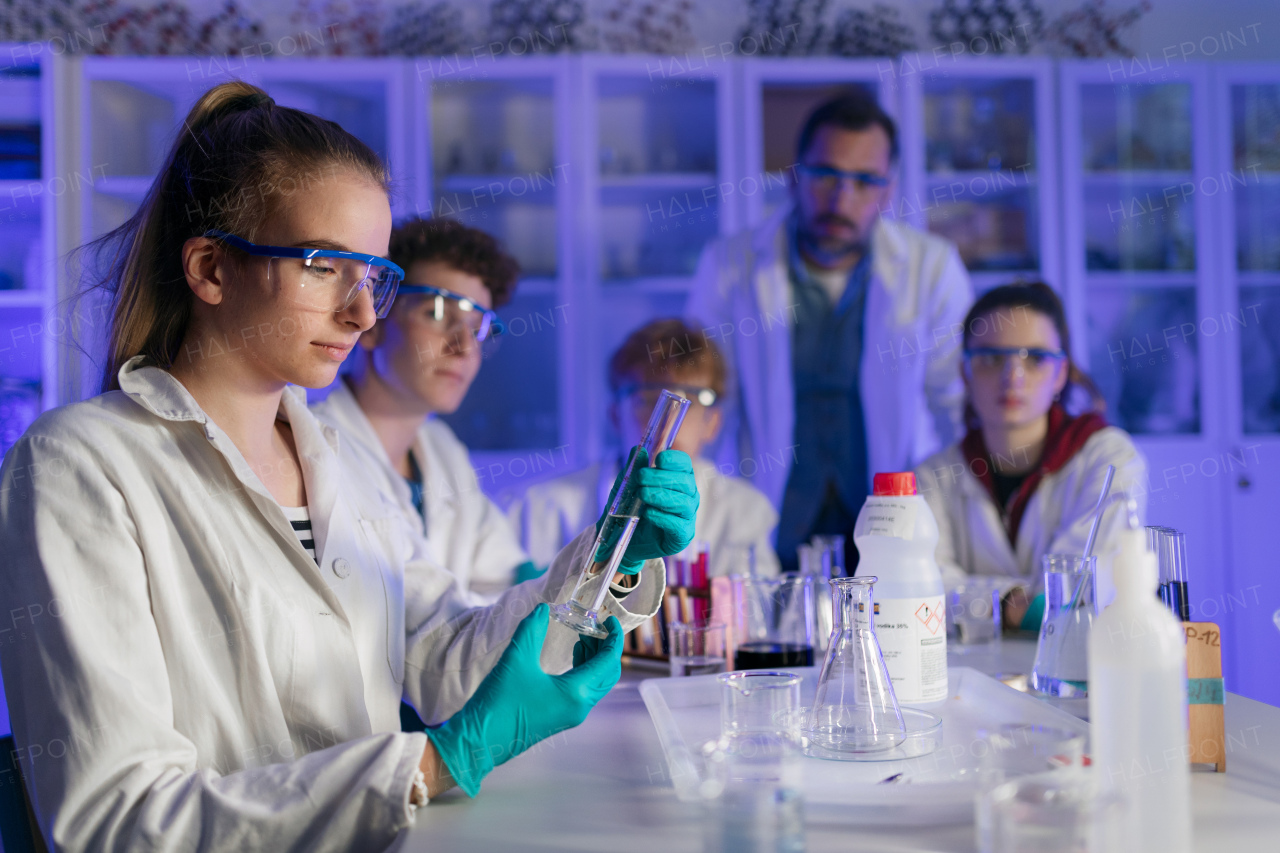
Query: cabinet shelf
(21, 298)
(659, 180)
(1160, 177)
(645, 284)
(1140, 279)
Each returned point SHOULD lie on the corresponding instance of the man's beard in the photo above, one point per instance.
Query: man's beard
(830, 251)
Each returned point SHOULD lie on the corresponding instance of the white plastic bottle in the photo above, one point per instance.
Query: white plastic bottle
(1138, 705)
(897, 537)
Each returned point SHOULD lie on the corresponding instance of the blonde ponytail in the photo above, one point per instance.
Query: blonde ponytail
(234, 157)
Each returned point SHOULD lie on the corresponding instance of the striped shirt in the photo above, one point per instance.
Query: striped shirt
(300, 519)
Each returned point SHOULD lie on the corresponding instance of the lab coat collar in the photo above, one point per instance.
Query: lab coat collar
(160, 393)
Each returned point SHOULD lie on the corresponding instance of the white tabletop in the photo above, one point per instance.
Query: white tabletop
(602, 788)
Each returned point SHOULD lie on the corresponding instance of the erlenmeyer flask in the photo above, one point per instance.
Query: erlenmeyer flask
(855, 710)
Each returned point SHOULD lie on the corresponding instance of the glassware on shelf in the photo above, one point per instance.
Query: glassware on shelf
(992, 230)
(1255, 126)
(1062, 661)
(976, 124)
(19, 406)
(583, 610)
(1138, 225)
(1257, 205)
(1136, 126)
(855, 709)
(1151, 382)
(773, 621)
(1259, 355)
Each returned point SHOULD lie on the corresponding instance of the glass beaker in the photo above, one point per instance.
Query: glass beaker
(773, 621)
(816, 562)
(855, 709)
(973, 611)
(1062, 655)
(759, 702)
(582, 611)
(1015, 750)
(752, 794)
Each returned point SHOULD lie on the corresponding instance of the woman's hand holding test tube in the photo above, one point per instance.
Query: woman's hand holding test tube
(669, 497)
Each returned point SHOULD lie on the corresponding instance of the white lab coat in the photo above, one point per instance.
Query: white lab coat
(181, 675)
(912, 395)
(971, 534)
(465, 530)
(732, 515)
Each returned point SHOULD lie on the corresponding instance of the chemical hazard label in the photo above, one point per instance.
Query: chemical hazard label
(912, 634)
(930, 616)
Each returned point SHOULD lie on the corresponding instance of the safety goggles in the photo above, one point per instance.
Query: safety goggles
(325, 279)
(827, 179)
(647, 393)
(455, 311)
(995, 359)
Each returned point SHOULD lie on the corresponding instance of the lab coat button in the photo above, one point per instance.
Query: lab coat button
(341, 567)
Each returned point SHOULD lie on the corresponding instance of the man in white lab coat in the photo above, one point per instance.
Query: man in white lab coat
(842, 330)
(415, 364)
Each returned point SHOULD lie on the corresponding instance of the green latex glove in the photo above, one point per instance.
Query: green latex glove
(527, 571)
(669, 495)
(1034, 616)
(518, 704)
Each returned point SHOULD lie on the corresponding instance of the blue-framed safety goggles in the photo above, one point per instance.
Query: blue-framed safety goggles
(992, 358)
(327, 279)
(828, 179)
(697, 393)
(482, 322)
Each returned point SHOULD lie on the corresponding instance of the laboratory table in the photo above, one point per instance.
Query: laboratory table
(603, 788)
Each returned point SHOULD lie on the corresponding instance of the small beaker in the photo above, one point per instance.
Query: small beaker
(773, 621)
(1018, 750)
(855, 709)
(1062, 654)
(1055, 812)
(759, 702)
(696, 648)
(973, 609)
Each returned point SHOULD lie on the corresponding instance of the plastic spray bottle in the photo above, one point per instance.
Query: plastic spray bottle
(897, 538)
(1138, 704)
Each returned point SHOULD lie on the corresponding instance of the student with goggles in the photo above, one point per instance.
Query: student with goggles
(1024, 481)
(416, 364)
(237, 614)
(733, 516)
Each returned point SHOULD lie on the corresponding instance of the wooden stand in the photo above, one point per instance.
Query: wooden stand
(1205, 694)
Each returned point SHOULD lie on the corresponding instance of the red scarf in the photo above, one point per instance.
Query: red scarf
(1065, 436)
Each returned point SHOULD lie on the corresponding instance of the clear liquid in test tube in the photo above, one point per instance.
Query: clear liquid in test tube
(583, 610)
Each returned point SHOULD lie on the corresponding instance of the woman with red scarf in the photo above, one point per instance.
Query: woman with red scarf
(1025, 479)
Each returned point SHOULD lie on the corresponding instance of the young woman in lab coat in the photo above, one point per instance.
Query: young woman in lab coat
(416, 364)
(1025, 479)
(734, 517)
(218, 621)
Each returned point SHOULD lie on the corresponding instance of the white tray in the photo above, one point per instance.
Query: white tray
(935, 789)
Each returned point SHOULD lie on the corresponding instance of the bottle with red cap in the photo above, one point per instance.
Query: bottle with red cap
(897, 537)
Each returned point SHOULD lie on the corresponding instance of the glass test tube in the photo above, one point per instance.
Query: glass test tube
(582, 611)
